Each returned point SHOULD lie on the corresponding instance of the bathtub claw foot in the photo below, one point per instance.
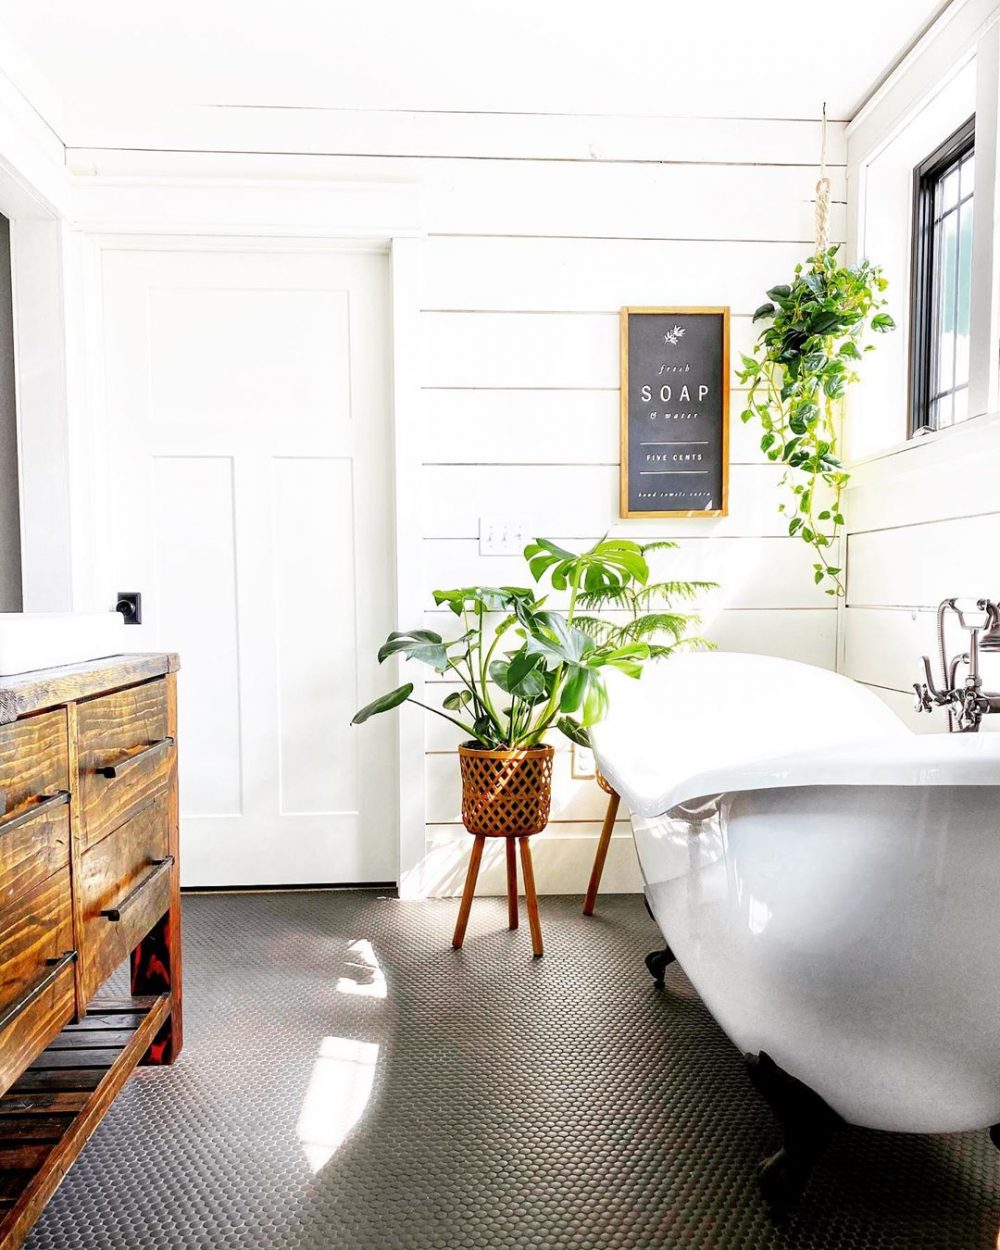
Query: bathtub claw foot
(657, 962)
(995, 1135)
(807, 1123)
(780, 1181)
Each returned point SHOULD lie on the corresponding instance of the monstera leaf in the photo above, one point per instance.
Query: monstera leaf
(480, 599)
(384, 703)
(611, 562)
(416, 644)
(521, 674)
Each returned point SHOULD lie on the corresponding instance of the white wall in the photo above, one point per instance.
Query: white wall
(537, 232)
(10, 514)
(924, 514)
(527, 265)
(537, 229)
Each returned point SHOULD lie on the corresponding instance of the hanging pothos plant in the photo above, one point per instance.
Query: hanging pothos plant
(799, 372)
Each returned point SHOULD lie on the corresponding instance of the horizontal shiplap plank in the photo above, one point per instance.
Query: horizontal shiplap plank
(587, 275)
(883, 646)
(519, 351)
(751, 572)
(583, 501)
(245, 141)
(920, 565)
(645, 201)
(563, 856)
(472, 426)
(537, 351)
(950, 474)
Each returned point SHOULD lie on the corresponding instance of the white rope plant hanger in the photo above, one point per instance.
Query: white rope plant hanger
(797, 391)
(823, 188)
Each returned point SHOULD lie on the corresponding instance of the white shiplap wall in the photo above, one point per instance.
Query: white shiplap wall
(521, 400)
(538, 231)
(923, 515)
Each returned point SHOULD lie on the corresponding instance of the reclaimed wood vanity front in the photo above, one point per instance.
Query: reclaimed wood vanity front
(89, 877)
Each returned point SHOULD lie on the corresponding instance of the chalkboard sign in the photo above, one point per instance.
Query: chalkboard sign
(675, 412)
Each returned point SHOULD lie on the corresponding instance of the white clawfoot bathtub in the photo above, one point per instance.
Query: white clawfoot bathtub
(829, 881)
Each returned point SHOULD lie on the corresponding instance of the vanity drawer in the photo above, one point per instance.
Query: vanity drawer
(36, 972)
(125, 756)
(124, 889)
(34, 843)
(33, 761)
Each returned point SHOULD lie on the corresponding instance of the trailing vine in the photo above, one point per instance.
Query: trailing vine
(798, 374)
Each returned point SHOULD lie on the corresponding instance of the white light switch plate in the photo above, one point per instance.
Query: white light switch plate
(501, 536)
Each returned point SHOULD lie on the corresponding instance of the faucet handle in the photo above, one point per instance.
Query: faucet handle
(924, 701)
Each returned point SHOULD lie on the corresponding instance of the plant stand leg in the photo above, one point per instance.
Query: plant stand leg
(511, 884)
(531, 898)
(603, 843)
(808, 1124)
(475, 859)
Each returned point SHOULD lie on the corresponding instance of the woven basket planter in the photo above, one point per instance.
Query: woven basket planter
(506, 793)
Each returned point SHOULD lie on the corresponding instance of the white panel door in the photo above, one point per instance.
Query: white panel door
(250, 501)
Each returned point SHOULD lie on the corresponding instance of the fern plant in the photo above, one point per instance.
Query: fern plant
(646, 612)
(649, 610)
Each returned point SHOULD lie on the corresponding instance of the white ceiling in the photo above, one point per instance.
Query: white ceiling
(725, 58)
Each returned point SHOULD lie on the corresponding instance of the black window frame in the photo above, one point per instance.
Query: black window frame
(926, 178)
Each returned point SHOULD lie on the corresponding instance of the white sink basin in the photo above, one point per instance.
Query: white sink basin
(32, 640)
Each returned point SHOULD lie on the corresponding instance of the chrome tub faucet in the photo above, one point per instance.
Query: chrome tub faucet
(968, 702)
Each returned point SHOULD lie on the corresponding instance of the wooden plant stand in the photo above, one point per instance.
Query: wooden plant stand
(603, 844)
(530, 897)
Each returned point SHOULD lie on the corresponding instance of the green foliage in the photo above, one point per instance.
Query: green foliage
(384, 703)
(644, 611)
(538, 670)
(614, 575)
(799, 372)
(547, 666)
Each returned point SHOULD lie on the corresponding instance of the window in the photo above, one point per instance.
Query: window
(942, 283)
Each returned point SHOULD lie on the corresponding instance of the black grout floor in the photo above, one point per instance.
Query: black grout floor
(351, 1082)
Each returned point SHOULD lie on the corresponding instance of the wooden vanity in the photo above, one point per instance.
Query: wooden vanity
(89, 877)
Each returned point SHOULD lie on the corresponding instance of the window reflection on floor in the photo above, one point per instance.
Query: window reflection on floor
(362, 974)
(338, 1092)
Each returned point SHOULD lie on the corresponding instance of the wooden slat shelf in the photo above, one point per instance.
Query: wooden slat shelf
(48, 1114)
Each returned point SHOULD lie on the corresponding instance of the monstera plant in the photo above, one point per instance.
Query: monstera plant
(532, 669)
(523, 669)
(802, 364)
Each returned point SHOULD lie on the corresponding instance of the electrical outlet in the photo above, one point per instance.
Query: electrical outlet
(583, 765)
(501, 536)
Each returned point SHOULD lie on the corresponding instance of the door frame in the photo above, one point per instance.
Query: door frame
(61, 557)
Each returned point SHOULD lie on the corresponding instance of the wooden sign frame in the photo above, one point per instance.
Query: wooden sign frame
(670, 310)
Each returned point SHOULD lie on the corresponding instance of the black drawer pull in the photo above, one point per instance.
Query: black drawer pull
(41, 803)
(159, 867)
(130, 761)
(56, 967)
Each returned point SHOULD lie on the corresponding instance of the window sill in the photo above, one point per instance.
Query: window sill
(957, 440)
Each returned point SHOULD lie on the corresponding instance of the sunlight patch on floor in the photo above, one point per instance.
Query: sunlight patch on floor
(362, 972)
(338, 1092)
